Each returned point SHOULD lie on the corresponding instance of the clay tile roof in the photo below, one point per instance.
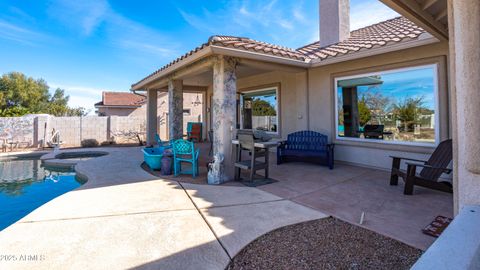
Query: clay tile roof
(121, 99)
(381, 34)
(388, 32)
(255, 46)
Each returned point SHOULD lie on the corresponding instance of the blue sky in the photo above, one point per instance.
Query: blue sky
(88, 46)
(398, 86)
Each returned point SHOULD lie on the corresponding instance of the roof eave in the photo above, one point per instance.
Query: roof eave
(212, 49)
(421, 41)
(119, 106)
(258, 56)
(187, 60)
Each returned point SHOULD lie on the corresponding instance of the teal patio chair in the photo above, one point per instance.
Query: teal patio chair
(161, 143)
(184, 151)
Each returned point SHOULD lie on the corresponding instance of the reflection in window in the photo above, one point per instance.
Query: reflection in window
(397, 106)
(259, 110)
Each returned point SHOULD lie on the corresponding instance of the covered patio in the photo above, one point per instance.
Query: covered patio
(217, 76)
(225, 67)
(346, 192)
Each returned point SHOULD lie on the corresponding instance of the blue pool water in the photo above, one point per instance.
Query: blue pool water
(25, 185)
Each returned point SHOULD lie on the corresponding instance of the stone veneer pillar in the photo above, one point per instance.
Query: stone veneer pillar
(464, 27)
(152, 128)
(223, 109)
(175, 109)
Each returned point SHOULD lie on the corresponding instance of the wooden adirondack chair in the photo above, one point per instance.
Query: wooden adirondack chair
(431, 171)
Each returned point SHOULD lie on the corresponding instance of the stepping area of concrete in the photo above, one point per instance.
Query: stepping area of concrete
(124, 217)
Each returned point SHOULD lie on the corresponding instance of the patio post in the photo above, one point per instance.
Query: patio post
(223, 118)
(152, 128)
(464, 31)
(175, 109)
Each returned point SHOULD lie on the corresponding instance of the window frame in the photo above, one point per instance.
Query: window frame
(436, 96)
(277, 105)
(189, 113)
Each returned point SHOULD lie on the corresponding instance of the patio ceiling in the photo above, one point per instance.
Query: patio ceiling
(431, 15)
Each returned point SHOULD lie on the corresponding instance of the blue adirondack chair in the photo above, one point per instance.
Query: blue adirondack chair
(184, 151)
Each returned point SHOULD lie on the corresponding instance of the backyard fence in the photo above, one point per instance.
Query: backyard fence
(36, 130)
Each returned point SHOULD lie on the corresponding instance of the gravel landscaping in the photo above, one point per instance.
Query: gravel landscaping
(325, 244)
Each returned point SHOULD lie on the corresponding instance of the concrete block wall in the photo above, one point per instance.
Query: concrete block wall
(94, 127)
(121, 126)
(37, 130)
(17, 129)
(69, 128)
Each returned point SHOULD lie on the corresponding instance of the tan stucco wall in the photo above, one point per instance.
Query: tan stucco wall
(106, 111)
(311, 106)
(162, 111)
(196, 112)
(321, 102)
(464, 31)
(292, 96)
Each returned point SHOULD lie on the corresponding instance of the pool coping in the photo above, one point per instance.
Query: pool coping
(52, 159)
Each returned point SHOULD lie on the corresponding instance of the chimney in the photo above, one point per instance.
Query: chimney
(334, 21)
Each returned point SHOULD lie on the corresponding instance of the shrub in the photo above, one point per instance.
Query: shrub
(104, 143)
(89, 143)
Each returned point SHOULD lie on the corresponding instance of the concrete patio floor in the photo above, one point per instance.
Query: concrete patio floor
(347, 191)
(124, 217)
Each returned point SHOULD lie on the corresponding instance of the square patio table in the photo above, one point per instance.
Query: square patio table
(259, 144)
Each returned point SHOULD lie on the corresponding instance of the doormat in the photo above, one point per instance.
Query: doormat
(438, 225)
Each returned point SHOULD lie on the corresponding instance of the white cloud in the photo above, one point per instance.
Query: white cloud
(84, 15)
(88, 16)
(264, 20)
(21, 34)
(365, 13)
(81, 96)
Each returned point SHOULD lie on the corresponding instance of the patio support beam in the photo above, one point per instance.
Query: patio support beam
(152, 128)
(175, 109)
(464, 23)
(223, 116)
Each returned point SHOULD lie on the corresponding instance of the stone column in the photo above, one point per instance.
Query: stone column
(464, 28)
(223, 109)
(152, 128)
(175, 109)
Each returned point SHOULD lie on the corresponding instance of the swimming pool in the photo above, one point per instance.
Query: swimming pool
(25, 185)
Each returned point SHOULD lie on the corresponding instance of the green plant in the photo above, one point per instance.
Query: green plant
(364, 112)
(408, 111)
(20, 95)
(262, 108)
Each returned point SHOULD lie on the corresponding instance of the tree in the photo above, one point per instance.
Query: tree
(408, 111)
(20, 95)
(262, 108)
(377, 103)
(364, 111)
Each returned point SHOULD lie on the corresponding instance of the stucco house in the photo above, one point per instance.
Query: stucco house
(134, 105)
(428, 57)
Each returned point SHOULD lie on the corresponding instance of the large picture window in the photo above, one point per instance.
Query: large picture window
(259, 110)
(395, 106)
